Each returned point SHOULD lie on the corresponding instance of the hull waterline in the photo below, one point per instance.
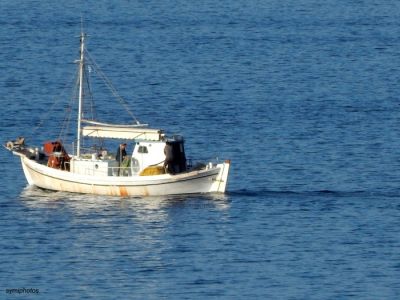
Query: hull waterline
(203, 181)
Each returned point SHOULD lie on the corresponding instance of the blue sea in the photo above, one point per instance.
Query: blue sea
(302, 96)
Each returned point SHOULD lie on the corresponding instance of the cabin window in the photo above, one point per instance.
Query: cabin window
(143, 149)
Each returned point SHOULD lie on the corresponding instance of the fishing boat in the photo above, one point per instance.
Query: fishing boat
(157, 164)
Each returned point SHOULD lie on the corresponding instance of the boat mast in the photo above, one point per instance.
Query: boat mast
(80, 99)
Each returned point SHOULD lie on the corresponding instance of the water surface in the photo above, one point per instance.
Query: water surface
(302, 96)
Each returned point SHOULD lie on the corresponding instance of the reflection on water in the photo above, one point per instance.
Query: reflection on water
(130, 236)
(150, 207)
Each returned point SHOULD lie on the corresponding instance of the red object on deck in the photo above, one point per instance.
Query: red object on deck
(48, 148)
(58, 157)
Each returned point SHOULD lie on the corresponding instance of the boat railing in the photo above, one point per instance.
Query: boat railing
(121, 171)
(201, 163)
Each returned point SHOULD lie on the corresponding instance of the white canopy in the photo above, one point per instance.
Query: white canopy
(128, 133)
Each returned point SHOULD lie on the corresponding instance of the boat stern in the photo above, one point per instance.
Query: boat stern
(220, 183)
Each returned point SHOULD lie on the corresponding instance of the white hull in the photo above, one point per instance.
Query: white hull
(52, 168)
(203, 181)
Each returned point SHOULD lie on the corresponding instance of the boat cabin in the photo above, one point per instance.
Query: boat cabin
(153, 154)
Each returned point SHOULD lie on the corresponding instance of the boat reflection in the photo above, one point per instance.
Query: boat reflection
(145, 209)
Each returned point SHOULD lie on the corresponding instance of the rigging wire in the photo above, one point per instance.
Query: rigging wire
(112, 88)
(52, 107)
(65, 124)
(69, 109)
(90, 94)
